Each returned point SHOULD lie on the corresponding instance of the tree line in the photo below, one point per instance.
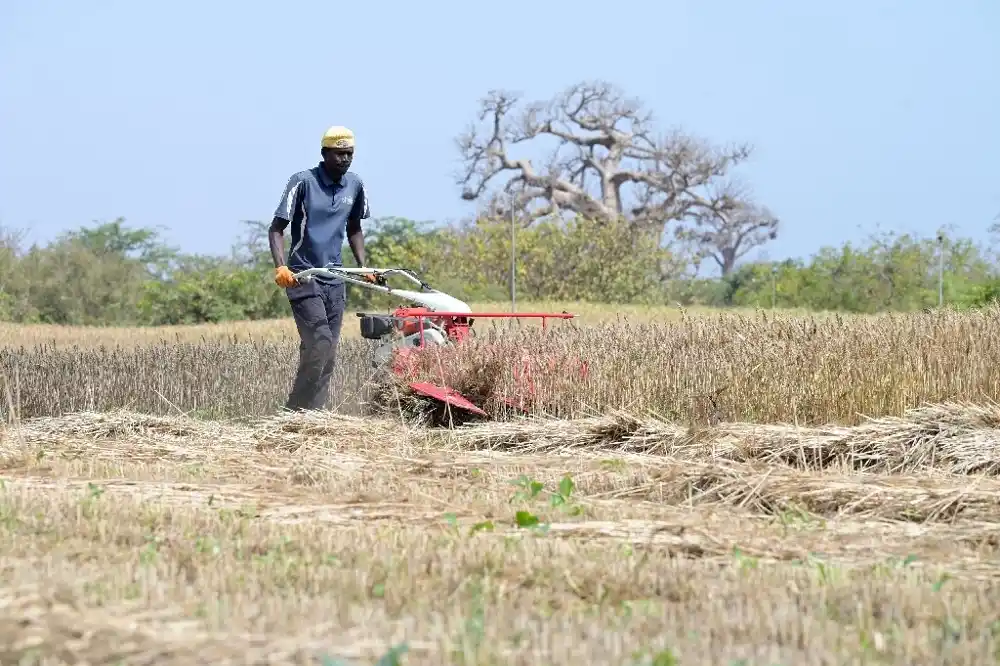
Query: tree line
(112, 274)
(617, 212)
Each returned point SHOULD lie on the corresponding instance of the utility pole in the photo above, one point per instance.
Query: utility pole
(774, 286)
(940, 239)
(513, 257)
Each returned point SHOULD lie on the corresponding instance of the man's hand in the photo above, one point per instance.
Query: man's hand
(283, 277)
(369, 277)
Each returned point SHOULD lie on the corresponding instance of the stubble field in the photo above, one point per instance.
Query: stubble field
(721, 489)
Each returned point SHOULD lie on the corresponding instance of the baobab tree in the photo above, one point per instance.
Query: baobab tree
(606, 163)
(727, 233)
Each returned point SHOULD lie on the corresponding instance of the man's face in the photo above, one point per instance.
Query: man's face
(338, 160)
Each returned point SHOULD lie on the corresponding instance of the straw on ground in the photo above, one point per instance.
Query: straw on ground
(290, 539)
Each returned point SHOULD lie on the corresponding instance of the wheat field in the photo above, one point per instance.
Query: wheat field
(31, 335)
(722, 488)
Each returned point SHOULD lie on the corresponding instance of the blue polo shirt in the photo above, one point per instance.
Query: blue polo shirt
(318, 211)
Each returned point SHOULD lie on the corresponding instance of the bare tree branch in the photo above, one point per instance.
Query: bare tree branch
(731, 227)
(607, 163)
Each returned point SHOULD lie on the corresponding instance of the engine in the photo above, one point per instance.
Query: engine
(383, 353)
(394, 334)
(376, 327)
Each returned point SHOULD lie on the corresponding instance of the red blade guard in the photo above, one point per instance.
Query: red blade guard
(446, 395)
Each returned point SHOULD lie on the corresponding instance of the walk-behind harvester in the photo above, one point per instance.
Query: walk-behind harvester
(429, 319)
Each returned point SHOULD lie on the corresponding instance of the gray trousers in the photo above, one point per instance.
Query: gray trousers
(318, 310)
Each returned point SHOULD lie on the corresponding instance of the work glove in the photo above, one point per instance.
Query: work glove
(283, 277)
(368, 277)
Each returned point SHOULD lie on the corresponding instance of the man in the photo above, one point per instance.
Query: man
(322, 205)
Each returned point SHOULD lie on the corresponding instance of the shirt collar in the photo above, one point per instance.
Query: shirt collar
(325, 177)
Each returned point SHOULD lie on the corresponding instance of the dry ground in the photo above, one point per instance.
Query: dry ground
(139, 540)
(714, 533)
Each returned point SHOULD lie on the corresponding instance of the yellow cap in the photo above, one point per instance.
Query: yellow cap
(338, 137)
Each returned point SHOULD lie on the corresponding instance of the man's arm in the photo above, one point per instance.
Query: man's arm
(355, 236)
(283, 215)
(276, 240)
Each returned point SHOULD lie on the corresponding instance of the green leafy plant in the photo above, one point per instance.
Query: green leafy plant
(529, 489)
(561, 498)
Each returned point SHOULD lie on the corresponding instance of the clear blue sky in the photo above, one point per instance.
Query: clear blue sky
(192, 115)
